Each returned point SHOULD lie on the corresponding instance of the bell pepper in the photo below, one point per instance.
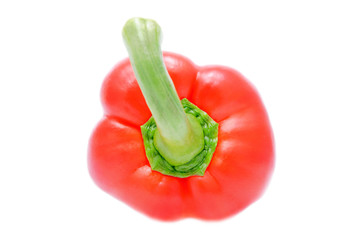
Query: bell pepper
(179, 140)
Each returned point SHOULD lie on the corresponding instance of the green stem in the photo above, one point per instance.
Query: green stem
(179, 137)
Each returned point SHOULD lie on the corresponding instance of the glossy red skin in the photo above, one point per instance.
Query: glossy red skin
(241, 165)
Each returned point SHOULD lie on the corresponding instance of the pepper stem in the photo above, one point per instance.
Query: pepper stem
(179, 137)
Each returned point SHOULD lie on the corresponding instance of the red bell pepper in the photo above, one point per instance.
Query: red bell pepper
(208, 157)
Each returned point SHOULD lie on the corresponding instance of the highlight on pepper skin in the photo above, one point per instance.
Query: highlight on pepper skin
(179, 140)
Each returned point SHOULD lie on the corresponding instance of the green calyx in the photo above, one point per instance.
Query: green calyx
(198, 164)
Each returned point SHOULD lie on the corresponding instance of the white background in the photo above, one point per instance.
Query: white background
(303, 57)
